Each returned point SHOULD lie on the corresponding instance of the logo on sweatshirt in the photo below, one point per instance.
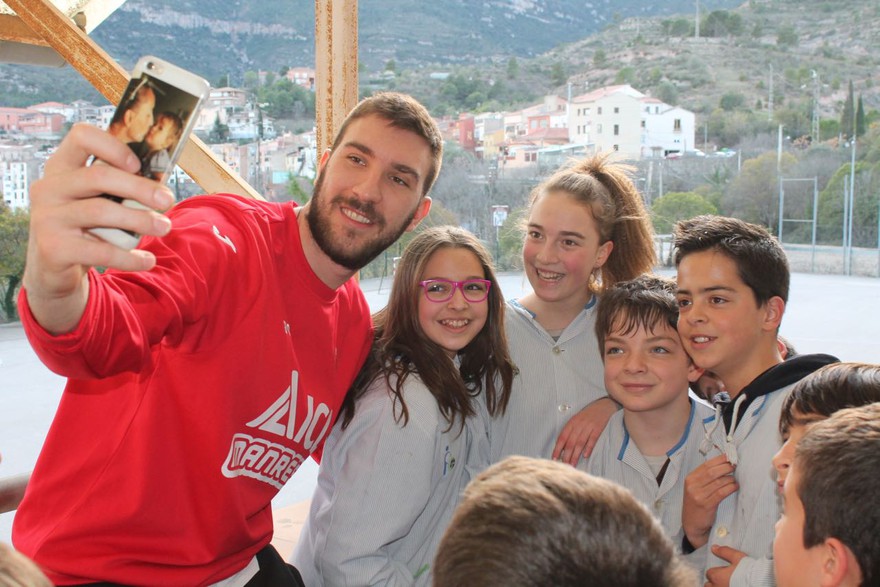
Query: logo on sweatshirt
(257, 456)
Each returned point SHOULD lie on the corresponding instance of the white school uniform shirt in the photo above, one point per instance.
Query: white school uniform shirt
(746, 520)
(617, 458)
(385, 492)
(556, 380)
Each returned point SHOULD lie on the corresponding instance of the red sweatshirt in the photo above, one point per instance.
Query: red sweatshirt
(195, 391)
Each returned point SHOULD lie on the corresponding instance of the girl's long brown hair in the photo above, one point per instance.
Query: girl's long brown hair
(401, 348)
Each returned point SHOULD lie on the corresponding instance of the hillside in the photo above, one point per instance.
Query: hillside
(216, 38)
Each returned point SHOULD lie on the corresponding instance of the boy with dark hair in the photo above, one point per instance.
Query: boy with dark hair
(824, 538)
(654, 441)
(733, 281)
(526, 521)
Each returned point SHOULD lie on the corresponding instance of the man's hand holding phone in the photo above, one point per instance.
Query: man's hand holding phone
(64, 208)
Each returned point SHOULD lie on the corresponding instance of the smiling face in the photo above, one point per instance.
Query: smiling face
(369, 192)
(162, 134)
(647, 370)
(452, 324)
(562, 249)
(721, 325)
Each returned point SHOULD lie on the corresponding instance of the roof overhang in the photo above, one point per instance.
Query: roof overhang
(20, 44)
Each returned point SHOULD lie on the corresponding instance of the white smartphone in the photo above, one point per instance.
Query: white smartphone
(154, 117)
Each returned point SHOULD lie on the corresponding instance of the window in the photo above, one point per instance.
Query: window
(616, 110)
(616, 129)
(616, 147)
(599, 110)
(643, 124)
(599, 128)
(676, 125)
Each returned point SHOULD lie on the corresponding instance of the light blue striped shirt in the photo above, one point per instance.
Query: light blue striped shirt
(386, 492)
(556, 380)
(617, 458)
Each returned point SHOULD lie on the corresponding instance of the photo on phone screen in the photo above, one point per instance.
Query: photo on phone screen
(151, 118)
(154, 118)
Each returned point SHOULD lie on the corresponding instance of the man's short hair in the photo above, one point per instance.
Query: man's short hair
(643, 302)
(760, 260)
(406, 113)
(838, 464)
(528, 521)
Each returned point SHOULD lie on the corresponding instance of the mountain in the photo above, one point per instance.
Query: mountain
(217, 37)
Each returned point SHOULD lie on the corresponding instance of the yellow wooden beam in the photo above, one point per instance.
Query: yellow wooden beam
(110, 79)
(336, 66)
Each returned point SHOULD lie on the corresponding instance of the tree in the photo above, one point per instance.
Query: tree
(786, 36)
(732, 101)
(674, 206)
(219, 132)
(600, 58)
(668, 93)
(720, 23)
(296, 190)
(557, 74)
(390, 65)
(847, 116)
(861, 125)
(864, 217)
(13, 246)
(223, 81)
(512, 68)
(251, 80)
(753, 195)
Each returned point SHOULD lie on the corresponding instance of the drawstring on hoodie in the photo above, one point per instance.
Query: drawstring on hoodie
(721, 399)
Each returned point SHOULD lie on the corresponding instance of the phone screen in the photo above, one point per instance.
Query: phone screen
(154, 117)
(151, 119)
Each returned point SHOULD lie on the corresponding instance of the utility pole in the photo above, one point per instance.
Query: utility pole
(697, 22)
(770, 100)
(815, 129)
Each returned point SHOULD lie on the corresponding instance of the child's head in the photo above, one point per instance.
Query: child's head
(586, 221)
(827, 534)
(164, 132)
(445, 300)
(425, 305)
(758, 257)
(817, 396)
(528, 521)
(732, 287)
(646, 366)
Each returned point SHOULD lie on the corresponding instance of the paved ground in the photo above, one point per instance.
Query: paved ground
(826, 313)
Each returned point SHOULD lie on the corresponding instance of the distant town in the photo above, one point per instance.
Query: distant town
(612, 118)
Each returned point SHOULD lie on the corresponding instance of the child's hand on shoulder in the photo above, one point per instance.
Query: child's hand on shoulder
(580, 433)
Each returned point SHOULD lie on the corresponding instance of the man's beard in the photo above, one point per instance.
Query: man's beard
(319, 225)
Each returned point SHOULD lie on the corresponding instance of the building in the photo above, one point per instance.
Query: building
(302, 76)
(620, 118)
(666, 129)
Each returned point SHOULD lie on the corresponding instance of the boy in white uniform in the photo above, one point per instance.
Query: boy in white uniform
(654, 442)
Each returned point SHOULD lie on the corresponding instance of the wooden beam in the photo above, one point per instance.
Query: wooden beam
(110, 79)
(12, 29)
(336, 70)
